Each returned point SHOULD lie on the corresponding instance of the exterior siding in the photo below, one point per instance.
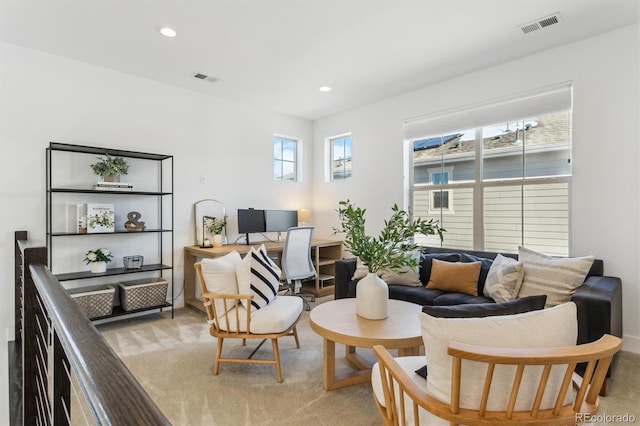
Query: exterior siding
(543, 225)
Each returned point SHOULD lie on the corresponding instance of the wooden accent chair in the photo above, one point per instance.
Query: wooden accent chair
(404, 400)
(238, 323)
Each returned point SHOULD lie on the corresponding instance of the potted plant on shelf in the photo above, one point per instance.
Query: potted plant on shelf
(110, 168)
(392, 250)
(215, 226)
(98, 259)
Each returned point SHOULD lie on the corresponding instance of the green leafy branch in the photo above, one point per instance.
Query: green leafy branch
(394, 248)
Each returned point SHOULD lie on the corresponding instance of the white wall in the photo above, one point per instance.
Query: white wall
(605, 211)
(47, 98)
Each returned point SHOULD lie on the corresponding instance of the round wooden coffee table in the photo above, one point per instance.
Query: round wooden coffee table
(336, 321)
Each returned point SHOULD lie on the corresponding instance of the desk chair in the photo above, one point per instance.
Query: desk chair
(296, 260)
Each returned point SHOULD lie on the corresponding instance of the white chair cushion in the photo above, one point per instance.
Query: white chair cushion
(548, 328)
(409, 364)
(220, 276)
(280, 314)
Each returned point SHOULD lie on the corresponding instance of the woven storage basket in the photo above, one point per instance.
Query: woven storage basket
(95, 301)
(144, 293)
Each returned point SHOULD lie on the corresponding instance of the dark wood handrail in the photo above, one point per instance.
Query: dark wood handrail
(111, 391)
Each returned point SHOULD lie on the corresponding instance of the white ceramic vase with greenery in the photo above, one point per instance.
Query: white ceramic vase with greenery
(392, 250)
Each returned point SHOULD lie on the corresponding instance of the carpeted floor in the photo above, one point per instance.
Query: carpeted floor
(173, 359)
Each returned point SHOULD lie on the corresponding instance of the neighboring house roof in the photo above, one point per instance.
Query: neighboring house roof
(549, 132)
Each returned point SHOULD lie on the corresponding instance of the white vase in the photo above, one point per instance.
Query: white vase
(217, 240)
(97, 267)
(372, 297)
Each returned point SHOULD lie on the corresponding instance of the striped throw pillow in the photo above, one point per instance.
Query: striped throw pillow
(504, 279)
(259, 276)
(557, 277)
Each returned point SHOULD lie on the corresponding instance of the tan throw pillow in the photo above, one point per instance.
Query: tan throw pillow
(557, 277)
(455, 277)
(504, 279)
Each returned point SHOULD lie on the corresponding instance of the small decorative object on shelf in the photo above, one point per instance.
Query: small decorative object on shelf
(133, 262)
(215, 226)
(76, 218)
(100, 218)
(113, 186)
(134, 223)
(110, 168)
(392, 250)
(98, 259)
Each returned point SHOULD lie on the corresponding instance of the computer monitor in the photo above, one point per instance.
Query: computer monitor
(251, 221)
(280, 220)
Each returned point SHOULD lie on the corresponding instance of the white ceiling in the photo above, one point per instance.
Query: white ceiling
(276, 53)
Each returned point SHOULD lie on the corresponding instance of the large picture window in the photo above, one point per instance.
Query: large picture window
(510, 172)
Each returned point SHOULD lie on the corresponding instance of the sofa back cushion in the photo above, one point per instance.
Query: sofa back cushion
(481, 310)
(426, 263)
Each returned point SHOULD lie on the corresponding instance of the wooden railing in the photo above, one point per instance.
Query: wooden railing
(70, 374)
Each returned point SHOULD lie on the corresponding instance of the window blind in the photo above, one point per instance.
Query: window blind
(519, 107)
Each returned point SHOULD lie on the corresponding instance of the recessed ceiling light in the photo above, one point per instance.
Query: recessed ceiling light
(168, 32)
(325, 89)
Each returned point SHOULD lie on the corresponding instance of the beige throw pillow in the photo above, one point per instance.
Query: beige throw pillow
(455, 277)
(361, 270)
(557, 277)
(404, 276)
(504, 279)
(547, 328)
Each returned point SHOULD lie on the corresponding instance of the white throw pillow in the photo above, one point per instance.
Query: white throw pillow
(504, 279)
(547, 328)
(219, 275)
(259, 276)
(557, 277)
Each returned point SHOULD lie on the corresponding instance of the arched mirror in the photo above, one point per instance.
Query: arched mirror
(204, 213)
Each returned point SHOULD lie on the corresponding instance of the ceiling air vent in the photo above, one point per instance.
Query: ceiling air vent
(541, 23)
(205, 77)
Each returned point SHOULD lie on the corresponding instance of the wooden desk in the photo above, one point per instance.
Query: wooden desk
(324, 253)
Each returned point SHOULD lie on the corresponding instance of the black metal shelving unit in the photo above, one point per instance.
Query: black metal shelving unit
(165, 178)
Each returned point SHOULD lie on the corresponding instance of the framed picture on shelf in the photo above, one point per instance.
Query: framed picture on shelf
(76, 218)
(100, 218)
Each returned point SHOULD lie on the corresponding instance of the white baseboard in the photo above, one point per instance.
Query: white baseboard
(631, 343)
(11, 334)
